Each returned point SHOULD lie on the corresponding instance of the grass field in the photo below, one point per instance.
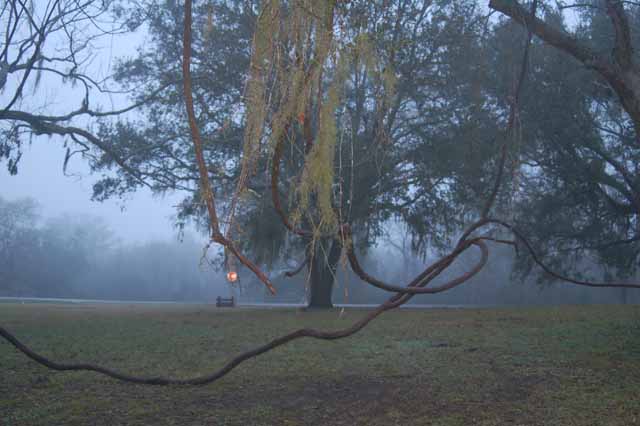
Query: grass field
(540, 366)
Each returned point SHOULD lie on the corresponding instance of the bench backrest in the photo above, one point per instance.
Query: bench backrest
(225, 301)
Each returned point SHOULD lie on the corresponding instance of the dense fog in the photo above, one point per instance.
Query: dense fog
(496, 284)
(79, 256)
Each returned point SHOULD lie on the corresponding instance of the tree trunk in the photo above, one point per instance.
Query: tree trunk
(322, 272)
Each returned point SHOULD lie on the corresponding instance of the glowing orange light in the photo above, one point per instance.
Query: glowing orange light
(232, 276)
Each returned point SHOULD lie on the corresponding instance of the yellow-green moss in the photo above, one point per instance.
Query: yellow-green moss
(294, 54)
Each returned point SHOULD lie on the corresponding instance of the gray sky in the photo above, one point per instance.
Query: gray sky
(139, 218)
(142, 217)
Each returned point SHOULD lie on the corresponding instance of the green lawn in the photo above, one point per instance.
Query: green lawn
(529, 366)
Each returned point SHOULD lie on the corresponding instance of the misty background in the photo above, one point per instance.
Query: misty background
(82, 255)
(57, 242)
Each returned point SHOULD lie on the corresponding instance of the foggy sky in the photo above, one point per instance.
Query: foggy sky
(142, 217)
(139, 218)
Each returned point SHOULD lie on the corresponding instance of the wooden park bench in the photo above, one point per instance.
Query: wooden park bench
(225, 302)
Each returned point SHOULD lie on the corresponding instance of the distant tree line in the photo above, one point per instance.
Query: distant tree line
(494, 285)
(79, 257)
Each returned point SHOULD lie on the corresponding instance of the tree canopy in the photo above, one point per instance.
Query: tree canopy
(425, 91)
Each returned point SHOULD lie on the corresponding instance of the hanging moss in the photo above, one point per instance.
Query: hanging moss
(294, 53)
(256, 92)
(318, 174)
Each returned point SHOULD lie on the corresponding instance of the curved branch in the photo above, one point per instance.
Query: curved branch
(392, 303)
(293, 273)
(513, 113)
(41, 126)
(205, 184)
(201, 380)
(414, 287)
(623, 47)
(536, 258)
(621, 73)
(220, 239)
(553, 36)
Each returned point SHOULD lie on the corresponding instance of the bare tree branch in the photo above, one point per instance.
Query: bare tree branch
(621, 73)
